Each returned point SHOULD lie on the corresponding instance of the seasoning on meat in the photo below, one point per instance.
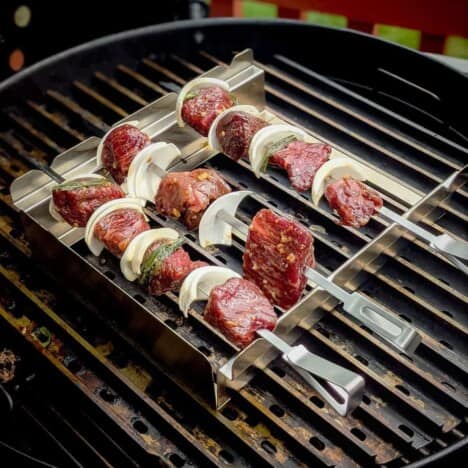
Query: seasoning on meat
(120, 147)
(235, 132)
(165, 265)
(354, 201)
(301, 161)
(118, 228)
(203, 105)
(238, 308)
(186, 195)
(277, 251)
(77, 200)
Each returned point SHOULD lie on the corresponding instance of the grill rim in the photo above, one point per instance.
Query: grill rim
(219, 23)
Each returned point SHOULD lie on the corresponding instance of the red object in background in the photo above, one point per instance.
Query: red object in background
(436, 19)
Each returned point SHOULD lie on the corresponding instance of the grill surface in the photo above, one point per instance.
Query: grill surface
(413, 407)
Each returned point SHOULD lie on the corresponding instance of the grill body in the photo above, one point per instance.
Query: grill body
(395, 108)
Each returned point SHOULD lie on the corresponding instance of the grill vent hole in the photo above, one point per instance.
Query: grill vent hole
(447, 313)
(273, 203)
(358, 433)
(318, 402)
(251, 420)
(366, 400)
(405, 318)
(406, 258)
(406, 430)
(221, 259)
(274, 178)
(191, 237)
(277, 410)
(362, 360)
(161, 216)
(226, 456)
(110, 274)
(409, 289)
(442, 280)
(108, 395)
(171, 324)
(119, 359)
(278, 371)
(447, 345)
(140, 426)
(177, 460)
(243, 184)
(402, 389)
(139, 298)
(230, 413)
(367, 329)
(73, 365)
(317, 443)
(205, 350)
(449, 386)
(268, 447)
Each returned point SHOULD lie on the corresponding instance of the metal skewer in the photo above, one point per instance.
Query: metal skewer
(393, 330)
(453, 249)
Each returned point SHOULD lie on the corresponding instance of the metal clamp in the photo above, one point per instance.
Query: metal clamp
(341, 388)
(393, 330)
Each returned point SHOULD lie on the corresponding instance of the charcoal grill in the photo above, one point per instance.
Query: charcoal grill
(391, 107)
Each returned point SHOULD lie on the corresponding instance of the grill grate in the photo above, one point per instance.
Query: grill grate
(412, 406)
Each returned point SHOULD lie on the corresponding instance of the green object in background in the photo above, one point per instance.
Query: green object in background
(407, 37)
(456, 46)
(325, 19)
(259, 10)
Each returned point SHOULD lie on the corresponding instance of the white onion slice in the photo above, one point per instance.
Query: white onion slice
(267, 136)
(212, 138)
(336, 169)
(198, 284)
(95, 245)
(148, 168)
(99, 164)
(197, 83)
(53, 209)
(132, 258)
(212, 230)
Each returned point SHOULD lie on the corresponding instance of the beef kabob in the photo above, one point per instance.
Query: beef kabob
(279, 259)
(341, 181)
(241, 132)
(154, 257)
(239, 309)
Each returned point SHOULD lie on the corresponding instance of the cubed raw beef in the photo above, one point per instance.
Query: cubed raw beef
(354, 201)
(277, 252)
(238, 308)
(186, 195)
(203, 105)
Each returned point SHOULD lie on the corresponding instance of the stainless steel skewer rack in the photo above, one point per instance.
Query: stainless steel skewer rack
(149, 320)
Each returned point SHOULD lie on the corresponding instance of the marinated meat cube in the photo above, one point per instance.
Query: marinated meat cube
(203, 105)
(354, 201)
(169, 272)
(238, 308)
(120, 148)
(277, 252)
(235, 132)
(301, 161)
(118, 228)
(76, 201)
(186, 195)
